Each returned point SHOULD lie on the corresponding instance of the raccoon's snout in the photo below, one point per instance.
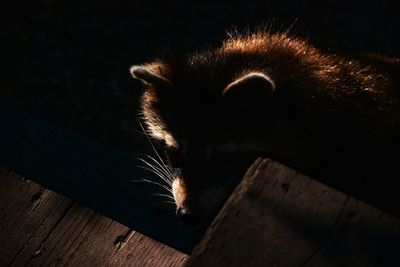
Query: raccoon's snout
(188, 214)
(185, 211)
(192, 206)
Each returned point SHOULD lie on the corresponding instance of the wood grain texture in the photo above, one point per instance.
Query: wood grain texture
(41, 228)
(277, 217)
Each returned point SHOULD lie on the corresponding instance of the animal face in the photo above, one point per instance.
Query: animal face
(207, 130)
(217, 110)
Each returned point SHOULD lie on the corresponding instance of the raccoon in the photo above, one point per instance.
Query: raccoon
(330, 116)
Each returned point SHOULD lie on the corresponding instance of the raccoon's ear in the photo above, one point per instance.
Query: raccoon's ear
(253, 84)
(150, 74)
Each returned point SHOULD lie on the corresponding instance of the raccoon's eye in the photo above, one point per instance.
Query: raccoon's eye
(175, 156)
(231, 165)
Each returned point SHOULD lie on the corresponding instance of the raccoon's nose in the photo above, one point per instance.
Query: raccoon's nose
(187, 214)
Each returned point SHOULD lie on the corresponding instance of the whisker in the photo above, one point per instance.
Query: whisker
(153, 182)
(163, 195)
(156, 173)
(151, 143)
(169, 202)
(165, 169)
(161, 165)
(161, 170)
(153, 166)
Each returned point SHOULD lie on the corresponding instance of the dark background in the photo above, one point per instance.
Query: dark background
(68, 105)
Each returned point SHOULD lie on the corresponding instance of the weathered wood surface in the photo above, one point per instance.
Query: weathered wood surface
(41, 228)
(277, 217)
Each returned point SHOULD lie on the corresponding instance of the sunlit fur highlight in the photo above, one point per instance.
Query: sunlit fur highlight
(248, 76)
(316, 74)
(179, 191)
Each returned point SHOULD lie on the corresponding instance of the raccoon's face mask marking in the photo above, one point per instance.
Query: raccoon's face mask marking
(207, 134)
(207, 175)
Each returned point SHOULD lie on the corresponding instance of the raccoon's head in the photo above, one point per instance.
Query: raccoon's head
(209, 125)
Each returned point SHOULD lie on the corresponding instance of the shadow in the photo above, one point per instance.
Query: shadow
(98, 176)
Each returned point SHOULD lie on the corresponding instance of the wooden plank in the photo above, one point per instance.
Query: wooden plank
(28, 195)
(42, 228)
(277, 217)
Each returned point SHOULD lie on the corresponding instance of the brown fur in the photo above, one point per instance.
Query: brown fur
(332, 117)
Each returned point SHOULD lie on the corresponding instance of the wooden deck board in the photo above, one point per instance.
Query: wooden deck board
(42, 228)
(10, 205)
(277, 217)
